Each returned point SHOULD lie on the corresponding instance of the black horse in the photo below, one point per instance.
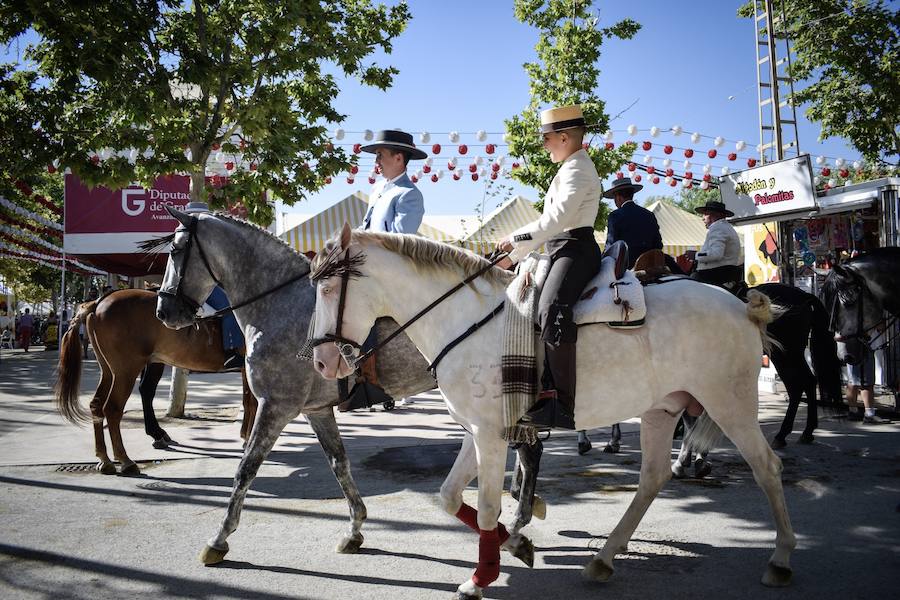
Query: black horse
(857, 294)
(804, 322)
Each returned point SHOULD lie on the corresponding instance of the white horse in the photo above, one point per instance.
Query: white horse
(716, 339)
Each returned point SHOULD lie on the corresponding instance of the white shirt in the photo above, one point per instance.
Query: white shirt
(721, 248)
(571, 202)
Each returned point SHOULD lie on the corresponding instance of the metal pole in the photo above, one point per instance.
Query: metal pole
(773, 70)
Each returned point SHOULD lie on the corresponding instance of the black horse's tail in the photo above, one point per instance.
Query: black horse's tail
(824, 357)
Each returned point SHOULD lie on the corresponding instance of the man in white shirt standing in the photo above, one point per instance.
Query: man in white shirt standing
(566, 230)
(719, 261)
(395, 206)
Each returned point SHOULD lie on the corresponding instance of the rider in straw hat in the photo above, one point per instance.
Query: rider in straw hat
(566, 229)
(720, 260)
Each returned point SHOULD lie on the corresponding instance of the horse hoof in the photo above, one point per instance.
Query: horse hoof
(702, 469)
(807, 438)
(678, 471)
(611, 448)
(350, 544)
(160, 444)
(584, 448)
(468, 591)
(538, 508)
(107, 468)
(522, 549)
(778, 443)
(597, 570)
(776, 576)
(165, 437)
(130, 470)
(211, 556)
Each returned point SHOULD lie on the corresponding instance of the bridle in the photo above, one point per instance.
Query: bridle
(349, 348)
(176, 293)
(862, 334)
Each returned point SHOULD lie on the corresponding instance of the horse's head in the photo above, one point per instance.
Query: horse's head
(344, 313)
(853, 311)
(189, 279)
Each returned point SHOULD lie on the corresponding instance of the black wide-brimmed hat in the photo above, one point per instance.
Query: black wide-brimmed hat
(621, 185)
(395, 140)
(713, 206)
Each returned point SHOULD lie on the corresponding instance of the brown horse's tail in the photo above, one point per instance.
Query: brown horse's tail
(68, 381)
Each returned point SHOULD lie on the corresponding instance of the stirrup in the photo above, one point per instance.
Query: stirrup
(548, 413)
(364, 395)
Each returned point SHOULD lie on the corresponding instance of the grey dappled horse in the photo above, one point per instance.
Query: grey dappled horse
(248, 262)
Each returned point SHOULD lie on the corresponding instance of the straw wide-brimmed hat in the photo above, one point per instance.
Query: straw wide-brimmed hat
(621, 184)
(395, 140)
(713, 206)
(196, 207)
(562, 118)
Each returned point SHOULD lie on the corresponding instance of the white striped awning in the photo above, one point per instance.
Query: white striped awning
(311, 235)
(508, 217)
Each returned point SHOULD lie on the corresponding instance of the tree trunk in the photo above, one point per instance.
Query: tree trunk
(177, 393)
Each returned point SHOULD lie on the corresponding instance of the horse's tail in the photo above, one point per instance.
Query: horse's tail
(703, 436)
(761, 312)
(68, 381)
(825, 360)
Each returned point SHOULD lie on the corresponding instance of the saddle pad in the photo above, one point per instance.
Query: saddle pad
(597, 302)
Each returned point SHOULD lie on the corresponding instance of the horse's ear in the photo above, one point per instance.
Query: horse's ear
(345, 235)
(183, 218)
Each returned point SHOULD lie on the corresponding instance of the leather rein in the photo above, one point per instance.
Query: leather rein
(348, 347)
(178, 294)
(862, 333)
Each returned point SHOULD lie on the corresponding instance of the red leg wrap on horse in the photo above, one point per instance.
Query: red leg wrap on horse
(469, 516)
(488, 569)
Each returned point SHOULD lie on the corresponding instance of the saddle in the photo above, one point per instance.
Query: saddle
(651, 265)
(612, 298)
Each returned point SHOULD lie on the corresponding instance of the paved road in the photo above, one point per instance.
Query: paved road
(73, 533)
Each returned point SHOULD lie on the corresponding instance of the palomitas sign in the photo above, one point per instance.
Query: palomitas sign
(104, 226)
(780, 188)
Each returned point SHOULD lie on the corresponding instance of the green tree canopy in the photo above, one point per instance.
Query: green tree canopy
(847, 52)
(565, 73)
(160, 86)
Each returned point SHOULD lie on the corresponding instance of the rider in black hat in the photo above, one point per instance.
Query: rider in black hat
(631, 223)
(720, 260)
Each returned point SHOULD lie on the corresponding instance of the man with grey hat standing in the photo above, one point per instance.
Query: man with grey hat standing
(631, 223)
(719, 261)
(395, 206)
(566, 229)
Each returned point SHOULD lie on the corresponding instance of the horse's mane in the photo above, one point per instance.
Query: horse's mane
(157, 244)
(429, 254)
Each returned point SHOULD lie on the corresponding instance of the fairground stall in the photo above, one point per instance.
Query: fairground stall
(793, 233)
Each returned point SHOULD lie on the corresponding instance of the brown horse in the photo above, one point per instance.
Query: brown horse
(127, 336)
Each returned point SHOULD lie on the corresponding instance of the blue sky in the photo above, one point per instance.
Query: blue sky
(461, 70)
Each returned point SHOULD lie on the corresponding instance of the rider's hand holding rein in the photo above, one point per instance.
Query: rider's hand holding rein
(505, 245)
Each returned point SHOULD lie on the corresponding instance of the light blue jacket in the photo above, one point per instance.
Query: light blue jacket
(395, 207)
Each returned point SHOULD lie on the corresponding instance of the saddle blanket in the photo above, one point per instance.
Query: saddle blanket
(618, 303)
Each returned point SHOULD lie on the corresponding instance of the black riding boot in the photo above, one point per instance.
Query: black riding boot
(558, 411)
